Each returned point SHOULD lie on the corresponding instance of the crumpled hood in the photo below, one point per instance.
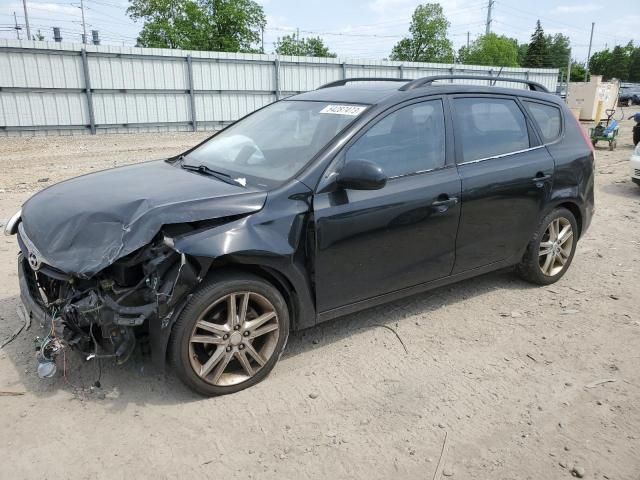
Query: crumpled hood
(83, 225)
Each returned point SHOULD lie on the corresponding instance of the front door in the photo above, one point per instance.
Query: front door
(373, 242)
(506, 179)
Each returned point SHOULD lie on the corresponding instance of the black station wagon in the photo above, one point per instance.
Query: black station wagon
(360, 192)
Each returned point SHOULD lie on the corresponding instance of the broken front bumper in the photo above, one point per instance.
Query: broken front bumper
(155, 319)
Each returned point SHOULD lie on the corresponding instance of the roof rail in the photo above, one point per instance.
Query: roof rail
(344, 81)
(421, 82)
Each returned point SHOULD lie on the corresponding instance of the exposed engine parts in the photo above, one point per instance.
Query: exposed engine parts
(103, 317)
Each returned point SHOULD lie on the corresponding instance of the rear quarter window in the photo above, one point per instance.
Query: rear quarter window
(490, 127)
(548, 118)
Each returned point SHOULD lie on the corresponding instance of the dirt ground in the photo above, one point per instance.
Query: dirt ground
(499, 377)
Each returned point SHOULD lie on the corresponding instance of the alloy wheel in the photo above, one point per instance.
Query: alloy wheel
(555, 247)
(234, 338)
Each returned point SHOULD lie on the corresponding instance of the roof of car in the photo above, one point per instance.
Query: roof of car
(375, 92)
(363, 92)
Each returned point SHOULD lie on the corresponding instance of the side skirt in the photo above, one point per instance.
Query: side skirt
(406, 292)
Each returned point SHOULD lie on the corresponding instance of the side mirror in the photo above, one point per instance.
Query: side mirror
(361, 175)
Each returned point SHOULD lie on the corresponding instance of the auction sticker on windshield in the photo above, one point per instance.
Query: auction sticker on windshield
(351, 110)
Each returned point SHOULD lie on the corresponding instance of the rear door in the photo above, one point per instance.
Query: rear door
(372, 242)
(506, 176)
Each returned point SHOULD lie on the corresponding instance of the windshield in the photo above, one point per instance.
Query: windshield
(275, 143)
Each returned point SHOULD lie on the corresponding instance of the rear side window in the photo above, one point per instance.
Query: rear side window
(548, 118)
(409, 140)
(490, 127)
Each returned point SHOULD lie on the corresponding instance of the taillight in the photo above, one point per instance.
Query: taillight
(584, 133)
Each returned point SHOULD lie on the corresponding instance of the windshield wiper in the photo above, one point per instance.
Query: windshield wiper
(204, 170)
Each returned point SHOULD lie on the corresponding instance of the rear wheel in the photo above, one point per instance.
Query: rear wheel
(551, 249)
(230, 335)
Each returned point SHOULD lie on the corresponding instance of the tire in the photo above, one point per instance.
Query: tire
(260, 338)
(612, 145)
(535, 269)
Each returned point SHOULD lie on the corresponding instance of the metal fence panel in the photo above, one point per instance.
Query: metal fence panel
(133, 73)
(126, 108)
(57, 88)
(227, 107)
(25, 109)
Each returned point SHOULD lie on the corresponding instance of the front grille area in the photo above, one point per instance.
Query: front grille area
(43, 288)
(32, 283)
(45, 269)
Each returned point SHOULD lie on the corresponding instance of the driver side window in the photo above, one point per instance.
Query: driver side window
(408, 140)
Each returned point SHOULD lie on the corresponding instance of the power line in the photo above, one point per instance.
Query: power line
(575, 28)
(106, 4)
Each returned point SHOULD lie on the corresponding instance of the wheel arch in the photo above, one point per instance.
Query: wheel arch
(575, 210)
(271, 275)
(302, 313)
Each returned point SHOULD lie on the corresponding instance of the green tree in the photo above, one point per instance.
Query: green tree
(559, 50)
(218, 25)
(522, 52)
(428, 41)
(578, 72)
(538, 50)
(491, 49)
(619, 65)
(622, 63)
(309, 47)
(599, 62)
(634, 65)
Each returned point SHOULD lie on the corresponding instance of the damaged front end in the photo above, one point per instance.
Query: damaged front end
(135, 299)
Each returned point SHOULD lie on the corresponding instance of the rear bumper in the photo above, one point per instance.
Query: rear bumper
(28, 290)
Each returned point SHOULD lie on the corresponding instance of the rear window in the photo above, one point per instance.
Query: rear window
(548, 118)
(489, 127)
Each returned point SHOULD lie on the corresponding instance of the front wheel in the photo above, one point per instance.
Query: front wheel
(551, 250)
(230, 334)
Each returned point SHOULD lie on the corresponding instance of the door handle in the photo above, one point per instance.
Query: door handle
(444, 202)
(541, 177)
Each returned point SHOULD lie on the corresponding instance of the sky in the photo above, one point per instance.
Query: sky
(365, 29)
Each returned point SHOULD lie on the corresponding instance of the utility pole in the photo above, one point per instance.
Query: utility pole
(468, 33)
(17, 27)
(84, 25)
(26, 19)
(262, 28)
(569, 71)
(586, 73)
(488, 29)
